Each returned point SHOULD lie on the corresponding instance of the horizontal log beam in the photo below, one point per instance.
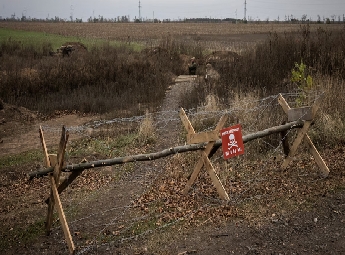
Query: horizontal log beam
(164, 153)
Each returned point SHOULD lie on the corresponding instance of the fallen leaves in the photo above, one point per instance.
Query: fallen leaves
(257, 190)
(262, 182)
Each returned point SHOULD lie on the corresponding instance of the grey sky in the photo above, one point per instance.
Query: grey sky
(260, 9)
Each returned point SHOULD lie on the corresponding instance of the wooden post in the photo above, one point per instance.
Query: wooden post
(44, 146)
(211, 138)
(185, 121)
(214, 177)
(56, 174)
(54, 198)
(62, 217)
(47, 163)
(302, 134)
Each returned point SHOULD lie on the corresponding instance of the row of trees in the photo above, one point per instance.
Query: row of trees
(126, 19)
(304, 19)
(122, 19)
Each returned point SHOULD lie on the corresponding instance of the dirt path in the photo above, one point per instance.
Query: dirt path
(135, 183)
(108, 208)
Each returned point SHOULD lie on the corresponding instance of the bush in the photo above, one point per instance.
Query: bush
(267, 70)
(101, 80)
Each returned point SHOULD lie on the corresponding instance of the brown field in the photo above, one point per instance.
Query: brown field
(224, 36)
(146, 31)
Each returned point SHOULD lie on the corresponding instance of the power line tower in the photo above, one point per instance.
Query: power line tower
(139, 11)
(245, 10)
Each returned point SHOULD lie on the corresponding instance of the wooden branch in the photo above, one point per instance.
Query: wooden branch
(166, 152)
(122, 160)
(272, 130)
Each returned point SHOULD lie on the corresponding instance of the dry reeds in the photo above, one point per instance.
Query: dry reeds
(146, 132)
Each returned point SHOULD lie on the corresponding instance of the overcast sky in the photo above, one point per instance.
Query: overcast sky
(177, 9)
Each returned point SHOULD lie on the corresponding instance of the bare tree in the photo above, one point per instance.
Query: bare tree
(304, 18)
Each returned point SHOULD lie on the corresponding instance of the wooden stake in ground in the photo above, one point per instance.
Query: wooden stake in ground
(54, 180)
(47, 163)
(302, 134)
(209, 137)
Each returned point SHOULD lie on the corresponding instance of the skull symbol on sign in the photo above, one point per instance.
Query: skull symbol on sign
(233, 142)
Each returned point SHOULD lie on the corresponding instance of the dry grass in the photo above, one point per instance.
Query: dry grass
(329, 129)
(152, 31)
(146, 132)
(204, 117)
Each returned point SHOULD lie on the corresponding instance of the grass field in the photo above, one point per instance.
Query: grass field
(56, 40)
(214, 36)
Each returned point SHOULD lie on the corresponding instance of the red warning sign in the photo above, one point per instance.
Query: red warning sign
(232, 143)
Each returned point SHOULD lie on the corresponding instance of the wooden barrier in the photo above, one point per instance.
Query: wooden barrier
(164, 153)
(301, 113)
(210, 138)
(207, 142)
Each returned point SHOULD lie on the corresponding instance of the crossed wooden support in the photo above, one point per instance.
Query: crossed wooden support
(307, 114)
(54, 200)
(209, 137)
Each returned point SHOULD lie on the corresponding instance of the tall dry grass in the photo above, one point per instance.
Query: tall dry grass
(99, 80)
(146, 130)
(267, 70)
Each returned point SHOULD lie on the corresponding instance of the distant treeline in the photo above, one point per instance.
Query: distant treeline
(126, 19)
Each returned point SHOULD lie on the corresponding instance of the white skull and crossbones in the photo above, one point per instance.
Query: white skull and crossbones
(233, 142)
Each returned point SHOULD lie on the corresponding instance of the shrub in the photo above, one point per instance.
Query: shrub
(102, 80)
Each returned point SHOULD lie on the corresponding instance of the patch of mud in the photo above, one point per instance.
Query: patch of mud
(19, 128)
